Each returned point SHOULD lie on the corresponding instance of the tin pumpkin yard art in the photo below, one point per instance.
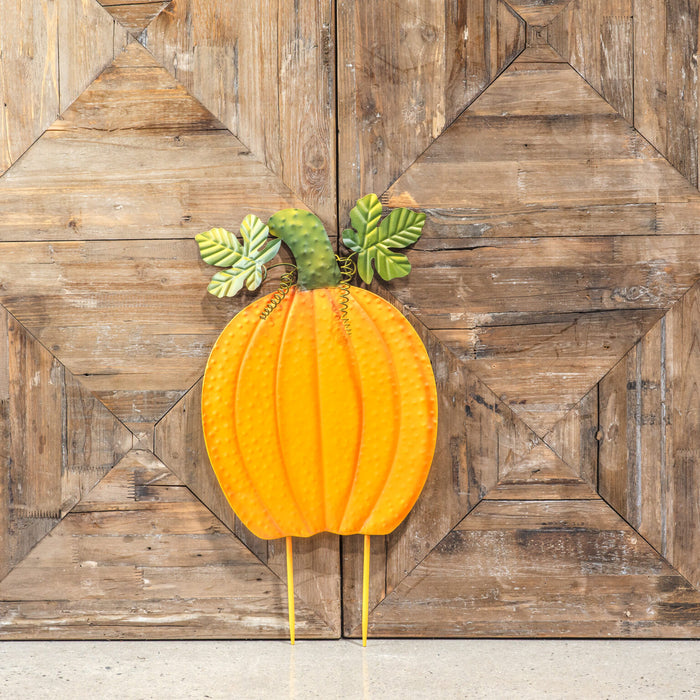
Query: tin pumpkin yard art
(319, 405)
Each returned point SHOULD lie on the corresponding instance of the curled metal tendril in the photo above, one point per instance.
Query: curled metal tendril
(287, 281)
(347, 272)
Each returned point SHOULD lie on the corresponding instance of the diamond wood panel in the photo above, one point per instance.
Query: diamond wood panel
(266, 70)
(110, 198)
(50, 53)
(543, 554)
(405, 72)
(557, 239)
(57, 442)
(641, 55)
(134, 15)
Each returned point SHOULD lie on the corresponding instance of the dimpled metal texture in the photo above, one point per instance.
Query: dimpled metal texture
(309, 429)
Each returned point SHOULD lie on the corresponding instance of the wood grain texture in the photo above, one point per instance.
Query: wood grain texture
(538, 13)
(596, 37)
(135, 157)
(143, 558)
(134, 15)
(137, 352)
(266, 71)
(641, 56)
(50, 51)
(541, 475)
(650, 422)
(179, 443)
(541, 568)
(575, 438)
(540, 315)
(405, 71)
(58, 441)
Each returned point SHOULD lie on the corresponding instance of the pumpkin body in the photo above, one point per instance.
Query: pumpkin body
(311, 429)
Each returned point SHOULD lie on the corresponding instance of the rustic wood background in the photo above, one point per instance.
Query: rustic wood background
(553, 145)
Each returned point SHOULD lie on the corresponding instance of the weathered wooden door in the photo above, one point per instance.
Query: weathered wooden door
(554, 288)
(553, 146)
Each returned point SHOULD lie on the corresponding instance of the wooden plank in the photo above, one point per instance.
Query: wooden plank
(404, 73)
(634, 437)
(575, 438)
(280, 59)
(650, 71)
(130, 592)
(538, 12)
(517, 281)
(612, 456)
(88, 41)
(597, 39)
(179, 443)
(137, 155)
(680, 412)
(36, 408)
(682, 31)
(58, 441)
(5, 447)
(541, 475)
(538, 568)
(649, 419)
(134, 15)
(29, 76)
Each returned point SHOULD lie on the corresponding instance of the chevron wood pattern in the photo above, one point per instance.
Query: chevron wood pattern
(552, 145)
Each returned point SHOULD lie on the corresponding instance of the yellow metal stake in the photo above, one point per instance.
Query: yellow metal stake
(365, 592)
(290, 589)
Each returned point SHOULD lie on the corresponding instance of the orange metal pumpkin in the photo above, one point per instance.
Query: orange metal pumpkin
(319, 405)
(310, 429)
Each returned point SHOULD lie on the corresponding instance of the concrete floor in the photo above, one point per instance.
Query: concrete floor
(342, 669)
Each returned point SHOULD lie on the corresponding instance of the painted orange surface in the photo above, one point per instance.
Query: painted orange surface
(310, 429)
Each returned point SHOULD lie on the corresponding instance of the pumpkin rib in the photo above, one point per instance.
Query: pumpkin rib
(359, 443)
(319, 410)
(422, 368)
(297, 404)
(278, 436)
(220, 471)
(375, 404)
(397, 405)
(265, 506)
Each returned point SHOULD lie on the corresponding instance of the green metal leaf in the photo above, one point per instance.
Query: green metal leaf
(365, 219)
(399, 229)
(227, 283)
(217, 246)
(246, 262)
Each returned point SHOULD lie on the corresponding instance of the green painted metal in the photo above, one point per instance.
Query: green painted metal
(306, 237)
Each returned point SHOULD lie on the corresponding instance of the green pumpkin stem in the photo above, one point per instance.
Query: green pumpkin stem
(303, 232)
